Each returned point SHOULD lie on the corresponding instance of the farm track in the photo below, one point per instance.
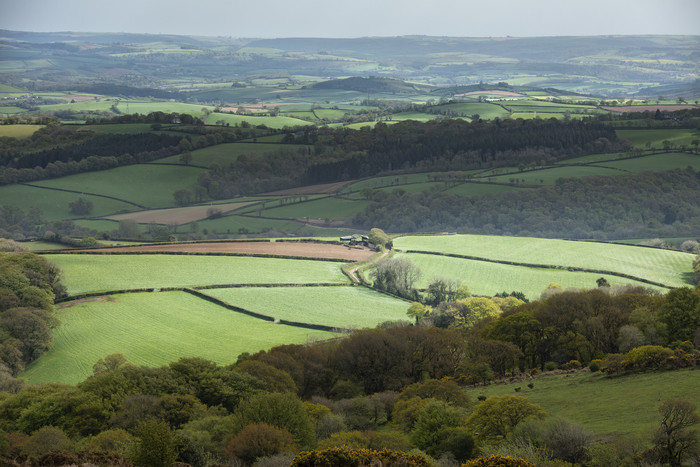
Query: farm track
(541, 266)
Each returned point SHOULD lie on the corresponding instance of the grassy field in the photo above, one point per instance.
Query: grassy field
(655, 137)
(54, 204)
(485, 278)
(326, 208)
(150, 185)
(343, 307)
(154, 329)
(18, 131)
(668, 267)
(270, 122)
(621, 405)
(90, 273)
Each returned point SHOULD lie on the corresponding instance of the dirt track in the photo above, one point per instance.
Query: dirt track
(307, 250)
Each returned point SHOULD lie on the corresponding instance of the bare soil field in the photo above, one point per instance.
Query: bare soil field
(303, 249)
(651, 108)
(322, 189)
(80, 97)
(177, 216)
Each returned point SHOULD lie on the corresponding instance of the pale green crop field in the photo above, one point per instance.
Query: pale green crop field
(18, 131)
(342, 307)
(94, 272)
(271, 122)
(657, 136)
(153, 329)
(150, 185)
(484, 278)
(672, 268)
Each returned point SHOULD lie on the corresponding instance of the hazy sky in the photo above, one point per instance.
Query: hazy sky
(355, 18)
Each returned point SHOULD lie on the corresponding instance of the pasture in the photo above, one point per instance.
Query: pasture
(342, 307)
(655, 137)
(153, 329)
(151, 185)
(484, 278)
(223, 154)
(608, 406)
(54, 204)
(18, 131)
(95, 272)
(672, 268)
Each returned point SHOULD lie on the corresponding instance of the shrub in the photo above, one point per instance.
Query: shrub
(648, 356)
(572, 365)
(344, 457)
(498, 461)
(594, 365)
(550, 366)
(260, 440)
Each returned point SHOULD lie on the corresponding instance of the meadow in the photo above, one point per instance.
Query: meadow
(342, 307)
(95, 273)
(150, 185)
(154, 329)
(54, 204)
(223, 154)
(484, 278)
(668, 267)
(18, 131)
(607, 406)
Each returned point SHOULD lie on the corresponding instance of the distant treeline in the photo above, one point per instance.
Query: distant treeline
(343, 154)
(624, 206)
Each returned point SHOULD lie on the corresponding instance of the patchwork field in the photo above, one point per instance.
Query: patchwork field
(178, 216)
(672, 268)
(343, 307)
(154, 329)
(309, 250)
(95, 272)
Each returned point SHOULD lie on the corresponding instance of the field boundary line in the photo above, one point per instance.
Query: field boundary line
(541, 266)
(84, 193)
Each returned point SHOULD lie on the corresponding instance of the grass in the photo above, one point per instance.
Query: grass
(485, 278)
(233, 224)
(665, 161)
(343, 307)
(54, 204)
(668, 267)
(551, 175)
(146, 184)
(18, 131)
(154, 329)
(476, 189)
(639, 138)
(93, 273)
(270, 122)
(620, 405)
(326, 208)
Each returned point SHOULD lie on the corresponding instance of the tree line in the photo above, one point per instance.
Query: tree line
(649, 204)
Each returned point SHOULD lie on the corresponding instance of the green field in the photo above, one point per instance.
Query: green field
(639, 138)
(154, 329)
(342, 307)
(54, 204)
(608, 406)
(484, 278)
(321, 209)
(664, 161)
(150, 185)
(270, 122)
(672, 268)
(93, 273)
(18, 131)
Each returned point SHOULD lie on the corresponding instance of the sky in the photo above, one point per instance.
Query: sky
(355, 18)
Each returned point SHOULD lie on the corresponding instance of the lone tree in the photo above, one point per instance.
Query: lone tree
(81, 206)
(675, 439)
(380, 238)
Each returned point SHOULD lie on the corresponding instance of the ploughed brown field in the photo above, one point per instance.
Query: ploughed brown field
(307, 250)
